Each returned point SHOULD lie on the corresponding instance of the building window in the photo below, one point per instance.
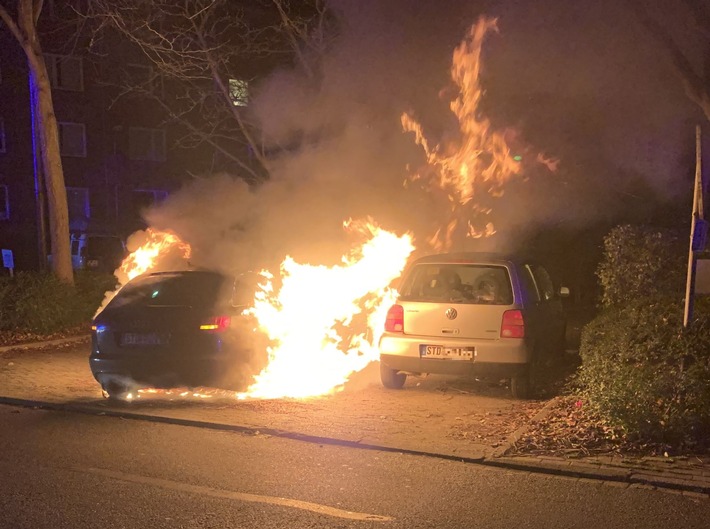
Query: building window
(144, 80)
(3, 144)
(78, 204)
(146, 144)
(239, 92)
(65, 72)
(4, 203)
(72, 139)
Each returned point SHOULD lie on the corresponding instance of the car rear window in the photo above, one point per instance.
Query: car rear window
(194, 289)
(458, 283)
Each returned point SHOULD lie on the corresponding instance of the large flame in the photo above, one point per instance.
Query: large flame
(478, 161)
(312, 317)
(158, 244)
(156, 247)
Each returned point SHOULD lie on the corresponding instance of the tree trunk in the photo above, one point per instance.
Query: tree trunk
(54, 175)
(48, 140)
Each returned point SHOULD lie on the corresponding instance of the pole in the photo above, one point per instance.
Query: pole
(697, 213)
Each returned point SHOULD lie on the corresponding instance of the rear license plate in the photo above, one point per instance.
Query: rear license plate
(450, 353)
(152, 338)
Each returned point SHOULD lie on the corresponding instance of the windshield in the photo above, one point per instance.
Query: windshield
(460, 283)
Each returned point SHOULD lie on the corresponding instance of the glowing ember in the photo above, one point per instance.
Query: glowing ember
(479, 161)
(313, 317)
(157, 245)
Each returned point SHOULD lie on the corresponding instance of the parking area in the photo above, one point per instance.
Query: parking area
(461, 417)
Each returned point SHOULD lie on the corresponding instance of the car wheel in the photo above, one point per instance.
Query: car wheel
(391, 378)
(521, 385)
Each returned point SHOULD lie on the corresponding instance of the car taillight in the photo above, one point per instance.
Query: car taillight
(513, 325)
(216, 324)
(395, 319)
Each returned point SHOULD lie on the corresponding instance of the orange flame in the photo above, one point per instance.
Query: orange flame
(313, 318)
(157, 245)
(478, 161)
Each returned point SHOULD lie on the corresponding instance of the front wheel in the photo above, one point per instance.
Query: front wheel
(391, 378)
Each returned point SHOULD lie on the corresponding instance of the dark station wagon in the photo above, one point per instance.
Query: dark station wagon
(169, 329)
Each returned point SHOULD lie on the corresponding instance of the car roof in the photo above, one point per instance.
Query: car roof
(473, 258)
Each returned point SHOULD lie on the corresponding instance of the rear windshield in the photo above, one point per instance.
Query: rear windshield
(458, 283)
(195, 289)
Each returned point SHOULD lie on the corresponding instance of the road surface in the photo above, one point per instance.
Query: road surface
(78, 471)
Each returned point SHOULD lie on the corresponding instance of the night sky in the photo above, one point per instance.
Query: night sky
(582, 82)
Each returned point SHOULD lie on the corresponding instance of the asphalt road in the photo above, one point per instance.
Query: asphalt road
(71, 470)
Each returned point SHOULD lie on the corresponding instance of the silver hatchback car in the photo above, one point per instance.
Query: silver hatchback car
(473, 314)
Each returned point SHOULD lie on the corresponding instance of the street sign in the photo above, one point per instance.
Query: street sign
(700, 235)
(7, 260)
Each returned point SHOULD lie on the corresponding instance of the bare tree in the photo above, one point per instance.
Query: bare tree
(24, 28)
(202, 48)
(695, 78)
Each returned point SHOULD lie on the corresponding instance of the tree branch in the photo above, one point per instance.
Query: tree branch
(14, 29)
(695, 86)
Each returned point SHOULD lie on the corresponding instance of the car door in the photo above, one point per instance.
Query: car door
(551, 318)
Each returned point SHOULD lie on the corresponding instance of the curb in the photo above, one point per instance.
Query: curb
(517, 434)
(618, 477)
(46, 343)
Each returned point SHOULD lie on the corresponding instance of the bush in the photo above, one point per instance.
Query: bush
(643, 372)
(40, 303)
(640, 262)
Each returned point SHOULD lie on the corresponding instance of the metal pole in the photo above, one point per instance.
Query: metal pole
(692, 260)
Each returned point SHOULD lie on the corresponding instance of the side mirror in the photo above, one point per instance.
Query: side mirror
(564, 292)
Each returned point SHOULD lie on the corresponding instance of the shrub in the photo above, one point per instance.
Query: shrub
(640, 262)
(40, 303)
(642, 371)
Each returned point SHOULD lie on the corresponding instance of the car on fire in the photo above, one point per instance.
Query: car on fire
(171, 329)
(473, 314)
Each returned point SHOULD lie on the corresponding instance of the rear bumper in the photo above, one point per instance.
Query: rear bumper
(159, 370)
(492, 358)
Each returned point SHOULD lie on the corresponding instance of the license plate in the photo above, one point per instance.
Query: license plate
(131, 338)
(449, 353)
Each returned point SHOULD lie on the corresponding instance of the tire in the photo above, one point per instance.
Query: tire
(391, 378)
(521, 385)
(115, 392)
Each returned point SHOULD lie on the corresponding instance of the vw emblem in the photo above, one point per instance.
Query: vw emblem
(451, 313)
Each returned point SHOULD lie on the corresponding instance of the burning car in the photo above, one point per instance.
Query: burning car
(171, 329)
(476, 314)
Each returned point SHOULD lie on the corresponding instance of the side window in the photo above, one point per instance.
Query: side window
(529, 282)
(544, 283)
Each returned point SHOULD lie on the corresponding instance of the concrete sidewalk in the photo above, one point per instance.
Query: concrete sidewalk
(477, 424)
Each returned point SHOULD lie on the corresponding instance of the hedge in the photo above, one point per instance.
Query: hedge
(39, 303)
(641, 370)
